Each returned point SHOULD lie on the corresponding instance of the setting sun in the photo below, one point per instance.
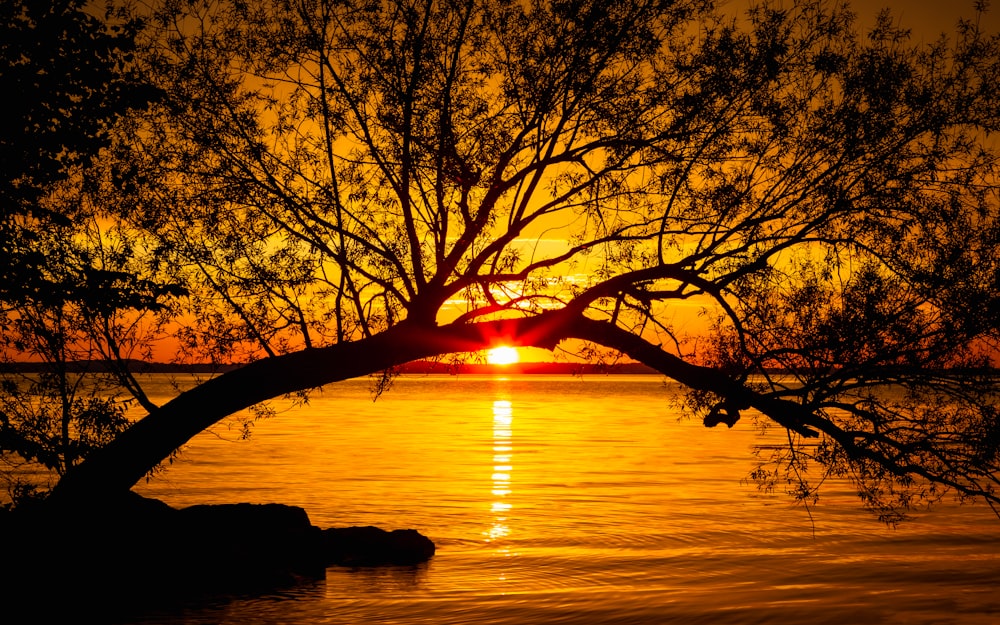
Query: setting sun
(502, 355)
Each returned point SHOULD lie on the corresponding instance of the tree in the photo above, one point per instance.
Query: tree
(65, 285)
(79, 334)
(344, 187)
(68, 69)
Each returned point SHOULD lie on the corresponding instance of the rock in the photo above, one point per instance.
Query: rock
(246, 517)
(138, 551)
(249, 546)
(372, 546)
(283, 537)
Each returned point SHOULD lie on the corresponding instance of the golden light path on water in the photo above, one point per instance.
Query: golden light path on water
(503, 454)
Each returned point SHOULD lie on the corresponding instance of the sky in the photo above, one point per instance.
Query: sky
(925, 18)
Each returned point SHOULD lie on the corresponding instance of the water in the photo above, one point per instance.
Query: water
(571, 500)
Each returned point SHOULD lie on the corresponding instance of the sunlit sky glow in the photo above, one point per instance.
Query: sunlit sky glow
(502, 355)
(926, 18)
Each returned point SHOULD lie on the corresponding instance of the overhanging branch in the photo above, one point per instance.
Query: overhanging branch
(151, 440)
(737, 396)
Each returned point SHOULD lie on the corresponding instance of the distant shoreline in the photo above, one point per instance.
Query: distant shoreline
(540, 368)
(135, 366)
(418, 367)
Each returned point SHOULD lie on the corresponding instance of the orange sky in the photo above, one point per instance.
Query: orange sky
(926, 18)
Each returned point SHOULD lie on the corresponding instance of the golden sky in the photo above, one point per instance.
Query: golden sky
(925, 18)
(928, 17)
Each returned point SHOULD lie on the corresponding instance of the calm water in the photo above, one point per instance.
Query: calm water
(572, 500)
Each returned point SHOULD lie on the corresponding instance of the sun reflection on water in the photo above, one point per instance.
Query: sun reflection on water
(503, 454)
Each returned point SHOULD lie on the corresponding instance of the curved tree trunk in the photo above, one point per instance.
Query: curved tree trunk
(120, 465)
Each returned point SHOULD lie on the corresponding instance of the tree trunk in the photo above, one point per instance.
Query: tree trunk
(117, 467)
(120, 465)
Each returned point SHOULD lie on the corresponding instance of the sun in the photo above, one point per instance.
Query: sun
(502, 355)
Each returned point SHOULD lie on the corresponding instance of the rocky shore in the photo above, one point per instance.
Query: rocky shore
(140, 551)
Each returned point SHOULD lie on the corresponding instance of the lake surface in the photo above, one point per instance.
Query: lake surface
(558, 499)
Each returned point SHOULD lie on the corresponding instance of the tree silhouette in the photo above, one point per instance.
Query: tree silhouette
(67, 81)
(65, 286)
(343, 187)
